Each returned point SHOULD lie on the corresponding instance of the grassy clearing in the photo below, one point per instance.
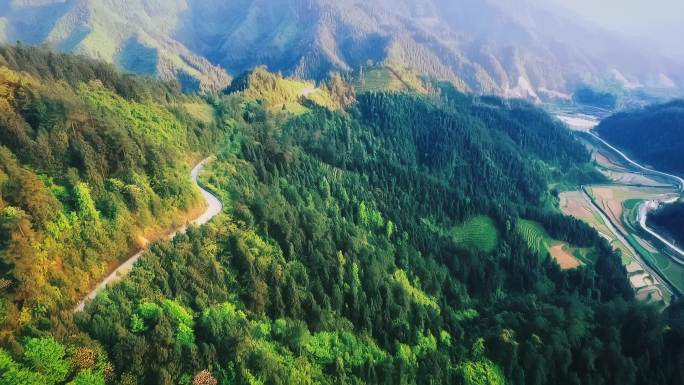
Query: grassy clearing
(478, 234)
(200, 111)
(388, 79)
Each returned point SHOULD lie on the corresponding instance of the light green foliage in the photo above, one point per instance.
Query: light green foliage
(185, 335)
(150, 120)
(177, 312)
(137, 324)
(84, 203)
(389, 229)
(11, 373)
(406, 355)
(466, 315)
(46, 356)
(482, 372)
(534, 234)
(363, 214)
(415, 293)
(369, 217)
(427, 343)
(149, 311)
(223, 314)
(325, 347)
(88, 377)
(478, 234)
(445, 338)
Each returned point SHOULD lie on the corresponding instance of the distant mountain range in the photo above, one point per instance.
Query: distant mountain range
(509, 48)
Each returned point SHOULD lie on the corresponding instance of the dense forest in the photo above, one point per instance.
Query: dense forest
(371, 245)
(92, 163)
(669, 220)
(653, 135)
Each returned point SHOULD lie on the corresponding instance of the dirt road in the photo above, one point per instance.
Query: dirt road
(214, 207)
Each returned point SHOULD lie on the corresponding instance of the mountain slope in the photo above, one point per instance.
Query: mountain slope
(491, 46)
(654, 135)
(92, 164)
(136, 35)
(379, 244)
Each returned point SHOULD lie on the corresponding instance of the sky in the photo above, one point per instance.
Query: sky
(659, 22)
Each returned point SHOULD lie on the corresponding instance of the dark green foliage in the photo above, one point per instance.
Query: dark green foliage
(653, 135)
(375, 245)
(670, 220)
(302, 280)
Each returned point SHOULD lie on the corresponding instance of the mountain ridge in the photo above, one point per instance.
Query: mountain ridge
(489, 47)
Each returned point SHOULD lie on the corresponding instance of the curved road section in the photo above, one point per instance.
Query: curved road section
(214, 207)
(650, 205)
(680, 181)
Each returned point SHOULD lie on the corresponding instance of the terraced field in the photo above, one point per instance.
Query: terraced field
(478, 234)
(539, 241)
(534, 234)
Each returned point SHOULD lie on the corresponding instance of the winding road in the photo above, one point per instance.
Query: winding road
(621, 237)
(680, 181)
(214, 207)
(652, 204)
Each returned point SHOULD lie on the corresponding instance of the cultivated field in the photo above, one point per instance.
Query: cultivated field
(576, 204)
(614, 199)
(478, 233)
(563, 257)
(539, 240)
(388, 79)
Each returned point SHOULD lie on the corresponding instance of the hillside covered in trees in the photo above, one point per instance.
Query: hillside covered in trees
(670, 220)
(376, 244)
(654, 135)
(92, 163)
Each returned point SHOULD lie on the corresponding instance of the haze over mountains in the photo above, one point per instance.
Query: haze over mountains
(516, 49)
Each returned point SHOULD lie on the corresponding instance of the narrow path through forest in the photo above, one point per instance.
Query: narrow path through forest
(214, 207)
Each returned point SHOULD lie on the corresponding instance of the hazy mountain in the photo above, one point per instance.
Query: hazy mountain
(489, 46)
(136, 35)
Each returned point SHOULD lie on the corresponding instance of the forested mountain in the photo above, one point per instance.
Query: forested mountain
(669, 220)
(92, 163)
(518, 49)
(372, 240)
(653, 135)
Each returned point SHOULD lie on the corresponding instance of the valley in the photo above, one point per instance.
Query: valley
(380, 225)
(618, 210)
